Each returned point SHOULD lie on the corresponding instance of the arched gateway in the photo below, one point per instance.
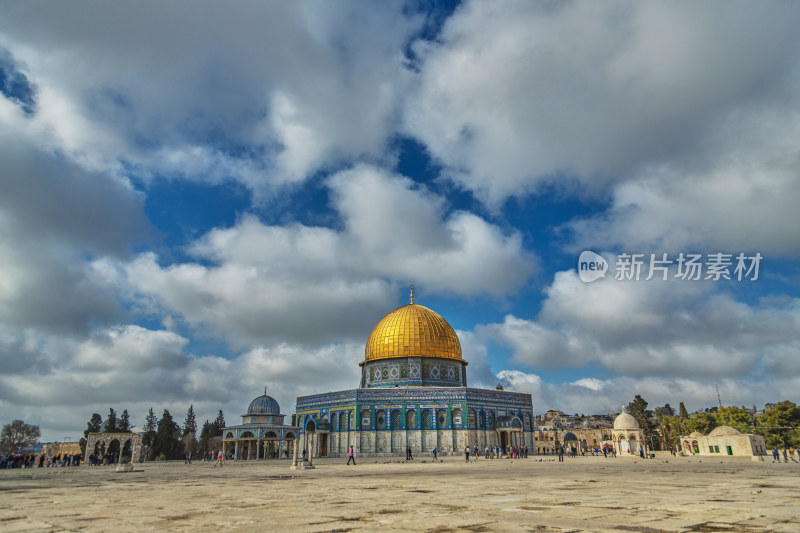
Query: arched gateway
(125, 444)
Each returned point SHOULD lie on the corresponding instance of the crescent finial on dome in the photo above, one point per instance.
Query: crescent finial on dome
(412, 295)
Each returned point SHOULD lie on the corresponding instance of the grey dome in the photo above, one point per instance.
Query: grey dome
(264, 405)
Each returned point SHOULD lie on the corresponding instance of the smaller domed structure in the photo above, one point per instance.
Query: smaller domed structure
(627, 435)
(261, 434)
(625, 420)
(569, 436)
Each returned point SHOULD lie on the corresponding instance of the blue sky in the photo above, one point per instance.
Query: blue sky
(200, 200)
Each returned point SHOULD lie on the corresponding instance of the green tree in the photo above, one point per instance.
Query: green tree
(149, 435)
(735, 417)
(206, 433)
(779, 424)
(219, 423)
(682, 412)
(94, 426)
(190, 423)
(167, 442)
(661, 412)
(111, 422)
(702, 422)
(124, 422)
(638, 410)
(17, 436)
(673, 429)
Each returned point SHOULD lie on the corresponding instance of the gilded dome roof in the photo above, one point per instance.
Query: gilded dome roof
(625, 420)
(264, 405)
(412, 331)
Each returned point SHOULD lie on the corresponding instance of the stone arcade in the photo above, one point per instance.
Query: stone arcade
(413, 393)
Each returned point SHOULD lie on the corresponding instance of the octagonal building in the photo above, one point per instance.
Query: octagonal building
(413, 393)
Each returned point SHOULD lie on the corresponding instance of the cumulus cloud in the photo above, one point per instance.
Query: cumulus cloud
(276, 93)
(54, 215)
(134, 368)
(744, 201)
(256, 283)
(655, 328)
(507, 103)
(600, 396)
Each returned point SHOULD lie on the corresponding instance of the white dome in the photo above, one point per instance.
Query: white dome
(722, 431)
(625, 420)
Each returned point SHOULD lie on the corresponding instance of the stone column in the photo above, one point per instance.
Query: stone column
(236, 450)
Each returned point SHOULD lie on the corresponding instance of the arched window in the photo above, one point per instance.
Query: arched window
(482, 420)
(472, 419)
(396, 419)
(365, 419)
(427, 419)
(441, 418)
(380, 420)
(457, 418)
(411, 419)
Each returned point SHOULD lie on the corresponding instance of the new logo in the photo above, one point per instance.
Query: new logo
(591, 266)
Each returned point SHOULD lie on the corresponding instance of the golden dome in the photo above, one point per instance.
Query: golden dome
(412, 331)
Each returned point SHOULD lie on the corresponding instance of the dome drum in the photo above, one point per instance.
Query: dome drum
(413, 371)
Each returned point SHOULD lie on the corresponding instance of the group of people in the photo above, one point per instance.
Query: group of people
(498, 452)
(787, 454)
(107, 458)
(16, 460)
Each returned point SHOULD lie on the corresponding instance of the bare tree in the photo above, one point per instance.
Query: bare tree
(17, 436)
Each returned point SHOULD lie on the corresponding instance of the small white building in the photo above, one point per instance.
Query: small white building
(724, 440)
(627, 435)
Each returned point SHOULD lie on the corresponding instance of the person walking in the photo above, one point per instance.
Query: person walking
(560, 454)
(219, 459)
(466, 453)
(434, 453)
(351, 457)
(408, 454)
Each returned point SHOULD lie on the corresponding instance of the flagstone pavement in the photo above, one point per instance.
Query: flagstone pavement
(535, 494)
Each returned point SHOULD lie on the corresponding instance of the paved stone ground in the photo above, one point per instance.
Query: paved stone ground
(581, 494)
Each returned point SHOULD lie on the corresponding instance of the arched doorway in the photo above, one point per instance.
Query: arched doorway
(126, 454)
(271, 449)
(623, 445)
(245, 448)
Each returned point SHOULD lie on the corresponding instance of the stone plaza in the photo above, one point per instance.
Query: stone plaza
(581, 494)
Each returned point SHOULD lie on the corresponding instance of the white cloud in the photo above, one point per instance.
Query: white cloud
(277, 92)
(655, 328)
(130, 367)
(600, 396)
(685, 114)
(255, 283)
